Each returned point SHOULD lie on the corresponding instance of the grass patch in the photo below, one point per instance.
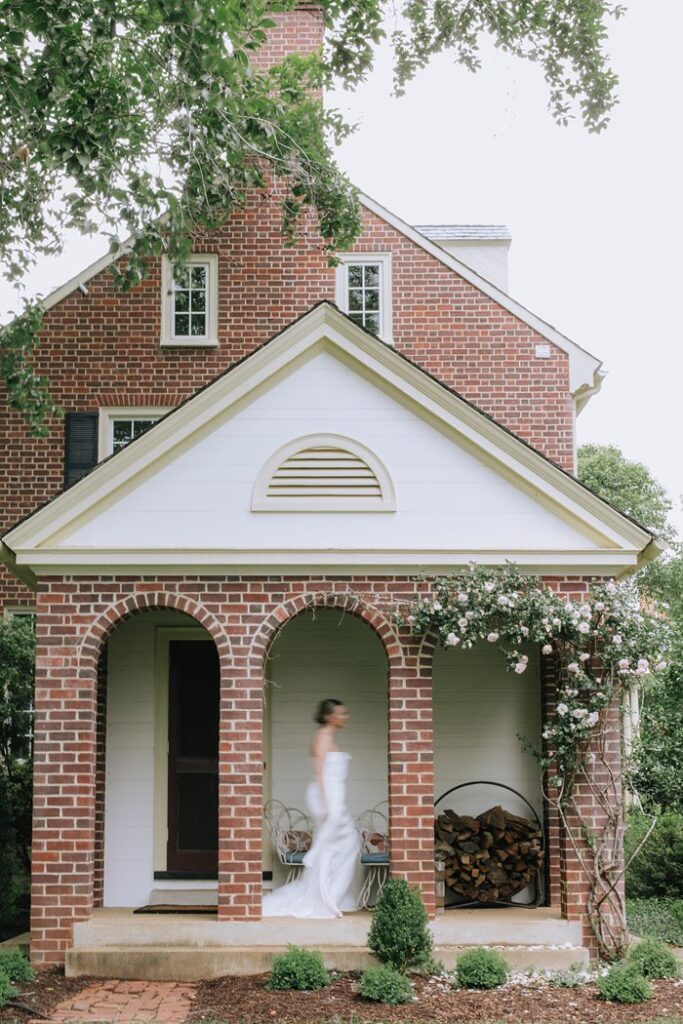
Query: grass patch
(658, 918)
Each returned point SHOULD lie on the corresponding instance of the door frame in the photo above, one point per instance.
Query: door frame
(164, 636)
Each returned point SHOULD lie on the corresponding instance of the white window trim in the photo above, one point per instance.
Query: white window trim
(211, 339)
(105, 426)
(12, 611)
(261, 502)
(342, 291)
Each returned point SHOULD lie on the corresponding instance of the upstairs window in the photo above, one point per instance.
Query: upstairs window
(189, 316)
(364, 291)
(189, 299)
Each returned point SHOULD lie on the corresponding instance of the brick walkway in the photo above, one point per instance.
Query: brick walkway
(160, 1002)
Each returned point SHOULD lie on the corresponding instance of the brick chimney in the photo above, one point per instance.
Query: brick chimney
(299, 30)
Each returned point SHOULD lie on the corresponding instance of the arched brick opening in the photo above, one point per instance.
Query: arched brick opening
(93, 651)
(409, 727)
(538, 698)
(117, 613)
(308, 602)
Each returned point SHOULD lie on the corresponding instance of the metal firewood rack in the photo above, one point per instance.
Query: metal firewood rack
(540, 879)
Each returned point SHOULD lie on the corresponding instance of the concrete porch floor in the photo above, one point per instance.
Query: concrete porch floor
(115, 943)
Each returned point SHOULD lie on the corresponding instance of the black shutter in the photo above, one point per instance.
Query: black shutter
(80, 445)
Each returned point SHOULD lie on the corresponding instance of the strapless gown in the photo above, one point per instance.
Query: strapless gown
(323, 889)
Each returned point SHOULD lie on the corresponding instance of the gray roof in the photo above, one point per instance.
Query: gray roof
(465, 232)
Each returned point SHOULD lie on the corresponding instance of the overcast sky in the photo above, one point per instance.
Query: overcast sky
(596, 220)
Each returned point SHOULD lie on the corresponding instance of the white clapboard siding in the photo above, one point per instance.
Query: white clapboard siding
(445, 496)
(480, 711)
(327, 654)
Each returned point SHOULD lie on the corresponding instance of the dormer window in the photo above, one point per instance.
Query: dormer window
(190, 302)
(364, 291)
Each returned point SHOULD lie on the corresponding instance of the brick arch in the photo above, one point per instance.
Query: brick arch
(118, 612)
(274, 623)
(427, 645)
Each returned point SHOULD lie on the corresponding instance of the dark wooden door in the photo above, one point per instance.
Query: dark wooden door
(193, 708)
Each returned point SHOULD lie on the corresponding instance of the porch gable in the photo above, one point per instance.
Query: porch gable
(466, 489)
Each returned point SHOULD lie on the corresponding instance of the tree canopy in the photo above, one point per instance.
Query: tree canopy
(146, 120)
(633, 489)
(628, 485)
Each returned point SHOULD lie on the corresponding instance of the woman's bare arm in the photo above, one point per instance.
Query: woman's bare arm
(322, 743)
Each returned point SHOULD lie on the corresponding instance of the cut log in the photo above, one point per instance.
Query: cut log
(488, 858)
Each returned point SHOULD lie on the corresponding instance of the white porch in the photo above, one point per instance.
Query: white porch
(479, 710)
(115, 943)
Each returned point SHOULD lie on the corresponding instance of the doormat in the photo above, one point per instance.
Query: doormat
(177, 908)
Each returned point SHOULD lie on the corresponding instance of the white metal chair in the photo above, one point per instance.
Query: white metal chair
(373, 830)
(291, 832)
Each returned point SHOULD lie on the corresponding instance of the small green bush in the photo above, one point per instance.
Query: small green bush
(432, 968)
(7, 990)
(481, 968)
(657, 870)
(385, 985)
(624, 983)
(654, 959)
(298, 969)
(656, 918)
(399, 934)
(14, 964)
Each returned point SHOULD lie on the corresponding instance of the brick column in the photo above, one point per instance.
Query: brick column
(574, 850)
(63, 848)
(100, 776)
(570, 857)
(553, 848)
(240, 786)
(411, 772)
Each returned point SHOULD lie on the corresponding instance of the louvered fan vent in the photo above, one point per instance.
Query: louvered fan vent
(324, 472)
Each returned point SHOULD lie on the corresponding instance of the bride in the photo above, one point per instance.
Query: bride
(323, 888)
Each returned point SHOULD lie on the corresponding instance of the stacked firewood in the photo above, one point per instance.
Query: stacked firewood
(488, 858)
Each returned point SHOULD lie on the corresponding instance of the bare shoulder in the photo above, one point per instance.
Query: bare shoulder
(322, 742)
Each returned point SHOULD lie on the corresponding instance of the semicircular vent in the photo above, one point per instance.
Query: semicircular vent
(323, 473)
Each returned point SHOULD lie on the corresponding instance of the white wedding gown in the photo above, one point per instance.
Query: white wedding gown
(324, 887)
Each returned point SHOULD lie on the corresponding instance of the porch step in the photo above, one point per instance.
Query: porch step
(22, 942)
(190, 963)
(511, 926)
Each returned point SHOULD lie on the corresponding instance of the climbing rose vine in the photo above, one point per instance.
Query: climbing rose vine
(601, 646)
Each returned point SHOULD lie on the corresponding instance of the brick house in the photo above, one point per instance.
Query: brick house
(256, 463)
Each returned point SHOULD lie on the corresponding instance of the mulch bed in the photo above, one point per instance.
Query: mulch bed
(240, 1000)
(49, 988)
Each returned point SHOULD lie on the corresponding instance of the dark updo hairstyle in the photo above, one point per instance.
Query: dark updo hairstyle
(325, 708)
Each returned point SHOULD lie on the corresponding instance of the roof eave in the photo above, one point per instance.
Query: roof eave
(583, 366)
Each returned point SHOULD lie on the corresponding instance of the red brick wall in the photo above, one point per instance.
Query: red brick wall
(243, 615)
(298, 31)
